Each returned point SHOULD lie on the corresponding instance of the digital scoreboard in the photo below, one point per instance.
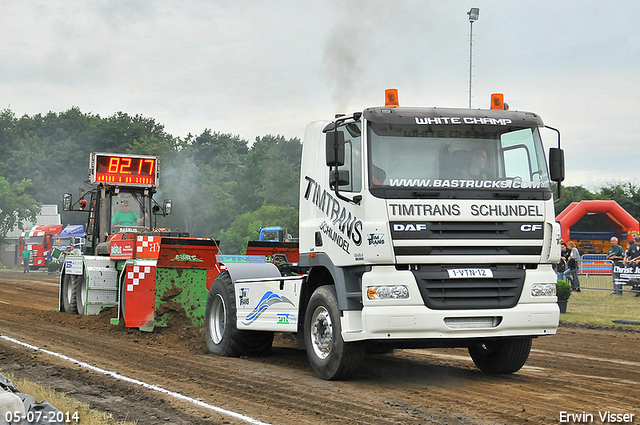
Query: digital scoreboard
(123, 169)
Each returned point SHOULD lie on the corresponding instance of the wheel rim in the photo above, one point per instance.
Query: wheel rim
(217, 319)
(321, 332)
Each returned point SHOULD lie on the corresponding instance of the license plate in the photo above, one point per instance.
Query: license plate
(469, 273)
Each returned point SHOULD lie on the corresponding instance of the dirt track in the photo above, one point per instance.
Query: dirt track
(578, 370)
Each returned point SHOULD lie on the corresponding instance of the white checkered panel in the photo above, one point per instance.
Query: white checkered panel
(145, 242)
(136, 275)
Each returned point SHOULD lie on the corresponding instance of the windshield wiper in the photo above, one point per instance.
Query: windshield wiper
(431, 194)
(508, 195)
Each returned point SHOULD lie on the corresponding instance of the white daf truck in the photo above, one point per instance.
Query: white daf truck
(419, 227)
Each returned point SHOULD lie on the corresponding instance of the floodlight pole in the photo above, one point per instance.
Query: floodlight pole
(474, 13)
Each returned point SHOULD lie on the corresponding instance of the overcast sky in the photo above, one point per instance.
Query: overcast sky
(252, 68)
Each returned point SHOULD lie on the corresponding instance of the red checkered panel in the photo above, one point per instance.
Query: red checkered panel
(140, 295)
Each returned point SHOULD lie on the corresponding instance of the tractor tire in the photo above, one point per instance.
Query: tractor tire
(331, 358)
(221, 331)
(81, 295)
(69, 294)
(501, 356)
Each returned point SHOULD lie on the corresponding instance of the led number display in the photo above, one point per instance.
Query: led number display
(125, 170)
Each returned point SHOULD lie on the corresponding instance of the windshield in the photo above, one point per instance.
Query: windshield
(33, 240)
(469, 156)
(129, 213)
(64, 241)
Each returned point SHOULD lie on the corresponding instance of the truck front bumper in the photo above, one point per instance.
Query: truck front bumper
(419, 322)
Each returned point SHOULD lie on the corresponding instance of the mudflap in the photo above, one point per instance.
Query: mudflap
(186, 268)
(139, 294)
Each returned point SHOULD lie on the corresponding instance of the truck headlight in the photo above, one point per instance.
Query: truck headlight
(543, 290)
(387, 292)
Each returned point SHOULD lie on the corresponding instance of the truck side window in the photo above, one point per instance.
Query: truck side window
(352, 158)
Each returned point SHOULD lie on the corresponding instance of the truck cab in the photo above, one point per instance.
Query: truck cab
(419, 227)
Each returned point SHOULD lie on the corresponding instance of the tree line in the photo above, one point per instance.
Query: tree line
(221, 185)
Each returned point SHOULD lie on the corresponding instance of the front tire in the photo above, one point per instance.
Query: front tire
(501, 356)
(331, 358)
(221, 332)
(69, 291)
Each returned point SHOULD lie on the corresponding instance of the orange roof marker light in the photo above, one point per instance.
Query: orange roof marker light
(497, 101)
(391, 98)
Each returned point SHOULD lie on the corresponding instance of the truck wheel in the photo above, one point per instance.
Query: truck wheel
(81, 295)
(331, 358)
(223, 336)
(69, 294)
(501, 356)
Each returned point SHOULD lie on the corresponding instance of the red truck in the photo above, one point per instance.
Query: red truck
(39, 239)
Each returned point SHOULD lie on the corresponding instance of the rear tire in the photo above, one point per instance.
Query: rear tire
(501, 356)
(69, 294)
(81, 295)
(221, 332)
(331, 358)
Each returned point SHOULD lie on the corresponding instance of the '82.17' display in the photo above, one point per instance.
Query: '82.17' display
(135, 170)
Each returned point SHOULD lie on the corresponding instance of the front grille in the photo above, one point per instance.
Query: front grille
(465, 230)
(467, 250)
(424, 238)
(439, 292)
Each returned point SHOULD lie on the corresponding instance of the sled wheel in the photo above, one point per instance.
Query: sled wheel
(331, 358)
(221, 331)
(69, 294)
(501, 356)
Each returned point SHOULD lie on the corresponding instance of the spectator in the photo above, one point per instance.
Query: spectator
(631, 254)
(616, 255)
(562, 264)
(26, 256)
(48, 258)
(572, 266)
(634, 261)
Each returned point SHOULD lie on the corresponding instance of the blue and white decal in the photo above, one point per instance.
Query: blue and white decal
(375, 239)
(268, 299)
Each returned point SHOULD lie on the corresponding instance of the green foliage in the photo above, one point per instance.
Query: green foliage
(571, 194)
(246, 227)
(16, 205)
(52, 150)
(563, 290)
(626, 194)
(272, 173)
(212, 178)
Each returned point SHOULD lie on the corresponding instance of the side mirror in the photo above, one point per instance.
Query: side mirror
(335, 148)
(340, 177)
(556, 164)
(66, 202)
(167, 206)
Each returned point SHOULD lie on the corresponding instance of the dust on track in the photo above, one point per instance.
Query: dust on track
(581, 369)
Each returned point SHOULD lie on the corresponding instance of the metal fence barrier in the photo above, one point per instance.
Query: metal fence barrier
(595, 272)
